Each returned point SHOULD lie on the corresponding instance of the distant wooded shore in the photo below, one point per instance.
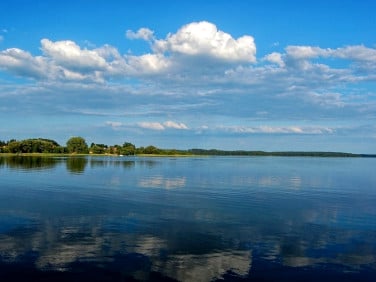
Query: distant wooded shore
(78, 146)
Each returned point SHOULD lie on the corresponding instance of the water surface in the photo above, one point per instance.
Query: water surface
(188, 219)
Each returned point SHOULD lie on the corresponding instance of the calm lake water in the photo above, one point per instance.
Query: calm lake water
(187, 219)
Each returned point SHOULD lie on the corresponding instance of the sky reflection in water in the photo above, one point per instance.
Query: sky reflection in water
(189, 219)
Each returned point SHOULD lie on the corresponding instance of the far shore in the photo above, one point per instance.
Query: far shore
(204, 153)
(91, 155)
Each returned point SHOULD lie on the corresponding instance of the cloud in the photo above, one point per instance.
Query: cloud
(63, 61)
(275, 58)
(148, 64)
(326, 99)
(199, 55)
(162, 126)
(354, 53)
(175, 125)
(143, 33)
(265, 129)
(306, 52)
(151, 125)
(204, 39)
(240, 129)
(22, 63)
(69, 55)
(114, 124)
(197, 71)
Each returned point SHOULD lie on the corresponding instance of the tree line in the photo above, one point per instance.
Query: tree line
(78, 145)
(35, 145)
(215, 152)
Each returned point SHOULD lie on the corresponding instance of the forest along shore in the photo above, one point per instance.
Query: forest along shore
(77, 146)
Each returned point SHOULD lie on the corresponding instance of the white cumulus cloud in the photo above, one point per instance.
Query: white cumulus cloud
(275, 58)
(22, 63)
(148, 63)
(203, 38)
(68, 54)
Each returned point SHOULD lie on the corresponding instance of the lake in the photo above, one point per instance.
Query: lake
(187, 219)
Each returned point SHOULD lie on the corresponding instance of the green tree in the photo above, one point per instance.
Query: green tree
(60, 150)
(77, 145)
(14, 146)
(151, 150)
(128, 149)
(140, 150)
(98, 148)
(117, 149)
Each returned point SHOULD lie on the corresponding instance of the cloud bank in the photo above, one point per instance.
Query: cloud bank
(197, 43)
(202, 76)
(66, 61)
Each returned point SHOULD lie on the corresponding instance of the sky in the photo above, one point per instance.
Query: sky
(235, 75)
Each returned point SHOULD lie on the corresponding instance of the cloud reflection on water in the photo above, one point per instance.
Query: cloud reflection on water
(208, 266)
(159, 181)
(59, 246)
(198, 224)
(61, 243)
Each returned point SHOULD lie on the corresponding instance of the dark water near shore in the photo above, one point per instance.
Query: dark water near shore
(187, 219)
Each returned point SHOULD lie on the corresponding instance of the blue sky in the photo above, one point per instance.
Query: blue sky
(251, 75)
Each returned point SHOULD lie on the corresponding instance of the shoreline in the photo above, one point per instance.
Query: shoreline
(219, 154)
